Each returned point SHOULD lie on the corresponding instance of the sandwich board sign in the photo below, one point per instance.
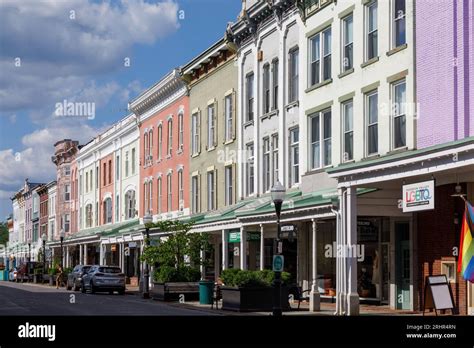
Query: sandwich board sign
(278, 263)
(438, 294)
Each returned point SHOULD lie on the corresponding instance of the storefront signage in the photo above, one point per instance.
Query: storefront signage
(234, 237)
(132, 244)
(418, 196)
(278, 263)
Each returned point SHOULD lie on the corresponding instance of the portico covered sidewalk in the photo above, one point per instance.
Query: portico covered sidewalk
(417, 243)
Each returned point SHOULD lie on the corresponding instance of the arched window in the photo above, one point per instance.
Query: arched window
(145, 143)
(130, 204)
(160, 196)
(160, 141)
(108, 211)
(89, 215)
(170, 136)
(150, 146)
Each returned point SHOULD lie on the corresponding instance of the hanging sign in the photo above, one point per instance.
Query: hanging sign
(278, 263)
(418, 197)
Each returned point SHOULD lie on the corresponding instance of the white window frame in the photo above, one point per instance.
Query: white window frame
(266, 88)
(159, 183)
(398, 111)
(266, 164)
(367, 98)
(372, 32)
(169, 193)
(249, 97)
(321, 144)
(133, 160)
(67, 192)
(274, 74)
(195, 193)
(397, 17)
(180, 190)
(210, 190)
(160, 141)
(293, 76)
(294, 165)
(211, 126)
(275, 158)
(229, 193)
(319, 63)
(180, 131)
(229, 117)
(250, 169)
(345, 130)
(170, 137)
(126, 164)
(195, 131)
(347, 63)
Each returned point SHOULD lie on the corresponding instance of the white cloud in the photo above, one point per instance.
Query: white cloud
(34, 161)
(59, 54)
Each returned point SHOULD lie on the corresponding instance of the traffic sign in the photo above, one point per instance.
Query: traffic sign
(278, 263)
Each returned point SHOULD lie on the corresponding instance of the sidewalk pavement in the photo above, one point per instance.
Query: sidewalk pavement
(327, 309)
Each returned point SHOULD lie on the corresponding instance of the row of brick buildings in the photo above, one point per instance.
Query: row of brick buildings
(351, 105)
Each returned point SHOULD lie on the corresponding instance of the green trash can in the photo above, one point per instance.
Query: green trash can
(206, 289)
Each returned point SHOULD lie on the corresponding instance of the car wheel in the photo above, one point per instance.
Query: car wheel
(83, 288)
(111, 292)
(92, 287)
(68, 287)
(75, 287)
(121, 292)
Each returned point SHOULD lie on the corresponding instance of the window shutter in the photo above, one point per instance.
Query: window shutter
(199, 130)
(215, 189)
(234, 116)
(214, 116)
(234, 184)
(198, 203)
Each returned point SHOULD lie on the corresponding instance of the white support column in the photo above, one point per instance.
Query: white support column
(315, 299)
(243, 249)
(262, 248)
(225, 246)
(84, 252)
(67, 256)
(80, 253)
(101, 254)
(353, 296)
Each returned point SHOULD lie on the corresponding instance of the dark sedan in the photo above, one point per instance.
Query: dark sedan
(74, 279)
(104, 278)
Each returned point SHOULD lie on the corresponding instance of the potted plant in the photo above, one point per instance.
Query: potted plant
(177, 260)
(251, 291)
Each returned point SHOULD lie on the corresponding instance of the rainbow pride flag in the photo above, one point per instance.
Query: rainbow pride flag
(466, 248)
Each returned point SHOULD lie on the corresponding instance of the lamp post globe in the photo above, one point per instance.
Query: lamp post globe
(278, 193)
(147, 219)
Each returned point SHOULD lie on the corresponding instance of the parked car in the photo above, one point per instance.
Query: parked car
(74, 279)
(104, 278)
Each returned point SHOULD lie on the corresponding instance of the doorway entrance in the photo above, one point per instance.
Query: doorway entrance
(402, 264)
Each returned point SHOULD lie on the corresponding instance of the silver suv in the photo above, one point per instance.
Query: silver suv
(104, 278)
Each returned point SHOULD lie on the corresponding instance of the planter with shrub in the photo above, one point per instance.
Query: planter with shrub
(177, 260)
(251, 291)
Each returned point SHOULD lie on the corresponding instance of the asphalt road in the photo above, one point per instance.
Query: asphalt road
(30, 299)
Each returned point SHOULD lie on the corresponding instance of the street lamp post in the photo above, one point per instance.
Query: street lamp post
(43, 237)
(29, 251)
(61, 238)
(278, 195)
(147, 219)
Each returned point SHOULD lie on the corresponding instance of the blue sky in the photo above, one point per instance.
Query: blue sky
(76, 50)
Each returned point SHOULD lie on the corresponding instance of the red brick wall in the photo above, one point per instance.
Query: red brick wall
(437, 236)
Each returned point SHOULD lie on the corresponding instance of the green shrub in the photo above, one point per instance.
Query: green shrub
(240, 278)
(166, 274)
(52, 271)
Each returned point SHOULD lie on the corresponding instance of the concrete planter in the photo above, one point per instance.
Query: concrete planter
(254, 299)
(175, 291)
